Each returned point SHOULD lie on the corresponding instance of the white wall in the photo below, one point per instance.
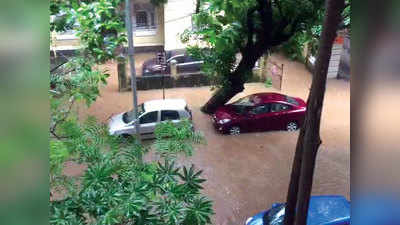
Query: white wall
(333, 68)
(177, 17)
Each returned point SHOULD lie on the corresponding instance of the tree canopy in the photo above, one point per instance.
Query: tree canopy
(249, 28)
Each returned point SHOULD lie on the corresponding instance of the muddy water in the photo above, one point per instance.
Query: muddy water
(247, 173)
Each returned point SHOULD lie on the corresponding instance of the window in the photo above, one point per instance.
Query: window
(150, 117)
(169, 115)
(141, 19)
(278, 107)
(152, 20)
(260, 109)
(145, 19)
(178, 58)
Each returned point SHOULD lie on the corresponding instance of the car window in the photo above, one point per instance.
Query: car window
(260, 109)
(129, 116)
(292, 100)
(245, 101)
(169, 115)
(278, 107)
(191, 59)
(150, 117)
(178, 58)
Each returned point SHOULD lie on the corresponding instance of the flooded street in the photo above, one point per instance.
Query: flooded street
(247, 173)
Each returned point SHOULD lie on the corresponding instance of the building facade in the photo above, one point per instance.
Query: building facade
(155, 28)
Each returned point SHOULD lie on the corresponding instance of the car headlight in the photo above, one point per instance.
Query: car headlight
(248, 220)
(223, 121)
(147, 71)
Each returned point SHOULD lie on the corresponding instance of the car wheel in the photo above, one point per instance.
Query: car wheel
(235, 130)
(292, 126)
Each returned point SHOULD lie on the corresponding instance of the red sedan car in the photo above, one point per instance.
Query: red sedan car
(260, 112)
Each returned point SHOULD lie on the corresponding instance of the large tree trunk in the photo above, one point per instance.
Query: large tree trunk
(272, 34)
(309, 139)
(236, 79)
(220, 97)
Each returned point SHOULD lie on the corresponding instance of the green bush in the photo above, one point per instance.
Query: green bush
(268, 82)
(119, 188)
(173, 139)
(294, 47)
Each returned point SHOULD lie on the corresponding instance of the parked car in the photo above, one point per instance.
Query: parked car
(185, 64)
(260, 112)
(150, 114)
(323, 210)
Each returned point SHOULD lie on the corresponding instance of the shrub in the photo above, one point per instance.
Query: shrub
(119, 188)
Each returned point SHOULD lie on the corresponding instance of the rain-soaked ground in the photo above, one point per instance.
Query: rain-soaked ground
(247, 173)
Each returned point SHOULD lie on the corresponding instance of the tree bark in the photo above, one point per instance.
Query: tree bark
(291, 199)
(198, 3)
(220, 97)
(309, 139)
(236, 80)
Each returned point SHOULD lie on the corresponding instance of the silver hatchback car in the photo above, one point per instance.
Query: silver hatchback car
(150, 114)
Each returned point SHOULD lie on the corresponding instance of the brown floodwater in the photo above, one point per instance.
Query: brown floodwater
(247, 173)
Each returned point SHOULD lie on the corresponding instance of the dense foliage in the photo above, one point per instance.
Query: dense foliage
(224, 26)
(174, 139)
(98, 24)
(250, 29)
(75, 81)
(118, 187)
(294, 47)
(100, 28)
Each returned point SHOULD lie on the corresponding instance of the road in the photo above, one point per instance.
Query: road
(247, 173)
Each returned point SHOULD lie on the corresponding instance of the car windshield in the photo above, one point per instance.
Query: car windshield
(292, 100)
(129, 116)
(275, 215)
(245, 101)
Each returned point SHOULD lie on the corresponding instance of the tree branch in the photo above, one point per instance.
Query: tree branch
(278, 5)
(56, 123)
(250, 29)
(198, 3)
(281, 36)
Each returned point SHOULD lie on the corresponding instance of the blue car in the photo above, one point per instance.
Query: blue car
(323, 210)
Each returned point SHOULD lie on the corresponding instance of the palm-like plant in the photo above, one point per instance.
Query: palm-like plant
(192, 179)
(175, 138)
(119, 188)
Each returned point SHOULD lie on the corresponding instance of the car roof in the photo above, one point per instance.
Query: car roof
(266, 97)
(328, 209)
(323, 210)
(165, 104)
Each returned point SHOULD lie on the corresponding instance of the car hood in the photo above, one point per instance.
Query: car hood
(116, 123)
(226, 112)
